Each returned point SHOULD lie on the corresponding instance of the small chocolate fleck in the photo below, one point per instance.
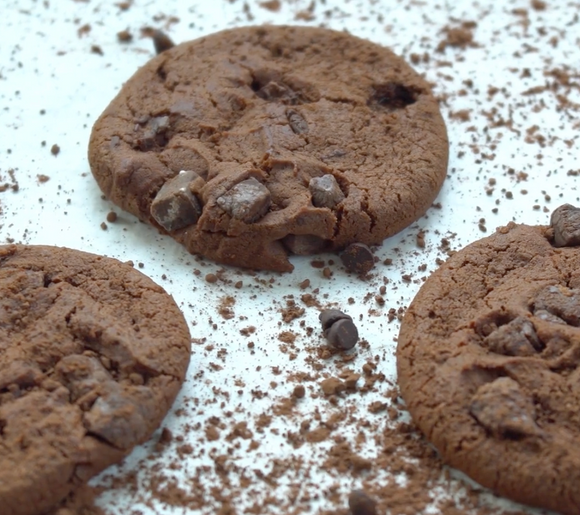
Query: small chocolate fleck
(54, 150)
(358, 258)
(124, 36)
(112, 217)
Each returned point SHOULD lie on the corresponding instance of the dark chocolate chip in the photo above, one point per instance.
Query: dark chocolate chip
(247, 201)
(504, 410)
(328, 317)
(162, 41)
(358, 258)
(516, 338)
(393, 95)
(304, 244)
(175, 206)
(565, 222)
(325, 191)
(360, 503)
(342, 334)
(297, 123)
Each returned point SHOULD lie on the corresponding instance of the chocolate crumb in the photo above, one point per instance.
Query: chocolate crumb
(54, 150)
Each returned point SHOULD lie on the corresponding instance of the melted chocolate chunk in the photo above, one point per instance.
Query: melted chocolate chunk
(304, 244)
(325, 191)
(247, 201)
(175, 206)
(516, 338)
(504, 410)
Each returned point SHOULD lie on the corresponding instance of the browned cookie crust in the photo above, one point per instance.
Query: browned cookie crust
(296, 139)
(488, 364)
(92, 355)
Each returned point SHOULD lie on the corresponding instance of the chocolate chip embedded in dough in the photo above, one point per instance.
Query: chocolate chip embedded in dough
(247, 201)
(360, 503)
(304, 244)
(561, 302)
(358, 258)
(296, 121)
(175, 206)
(503, 409)
(325, 191)
(565, 222)
(517, 338)
(162, 41)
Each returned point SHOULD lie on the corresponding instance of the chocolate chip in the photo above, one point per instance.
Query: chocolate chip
(304, 244)
(247, 201)
(175, 206)
(325, 191)
(360, 503)
(338, 329)
(565, 222)
(297, 123)
(516, 338)
(328, 317)
(504, 410)
(358, 258)
(162, 41)
(343, 334)
(393, 95)
(561, 302)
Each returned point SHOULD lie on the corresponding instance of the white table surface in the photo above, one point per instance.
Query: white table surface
(46, 66)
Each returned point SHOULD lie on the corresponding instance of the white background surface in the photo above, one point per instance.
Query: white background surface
(45, 64)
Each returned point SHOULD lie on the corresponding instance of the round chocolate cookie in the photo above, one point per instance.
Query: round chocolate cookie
(256, 142)
(92, 355)
(489, 365)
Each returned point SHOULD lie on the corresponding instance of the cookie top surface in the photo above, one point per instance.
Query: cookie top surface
(92, 355)
(295, 140)
(488, 359)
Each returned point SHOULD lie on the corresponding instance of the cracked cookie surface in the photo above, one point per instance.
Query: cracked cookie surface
(92, 355)
(489, 365)
(344, 139)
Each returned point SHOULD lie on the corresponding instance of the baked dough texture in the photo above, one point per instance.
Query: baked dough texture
(289, 140)
(92, 355)
(488, 362)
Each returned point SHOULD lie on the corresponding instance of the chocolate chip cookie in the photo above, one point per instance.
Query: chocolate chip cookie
(92, 355)
(257, 142)
(488, 362)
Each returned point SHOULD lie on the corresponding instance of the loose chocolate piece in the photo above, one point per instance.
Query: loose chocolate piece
(247, 201)
(360, 503)
(358, 258)
(328, 317)
(503, 409)
(561, 302)
(565, 221)
(325, 191)
(175, 206)
(304, 244)
(162, 41)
